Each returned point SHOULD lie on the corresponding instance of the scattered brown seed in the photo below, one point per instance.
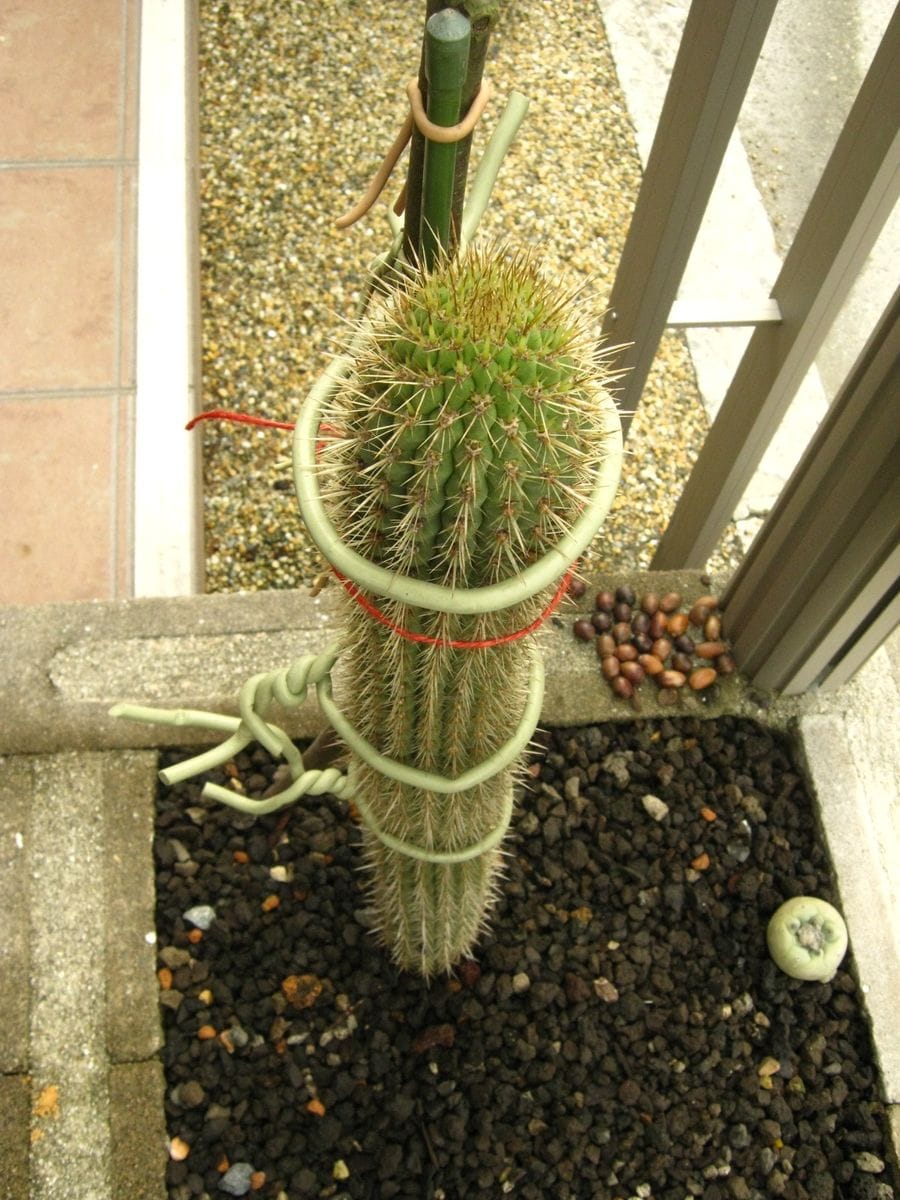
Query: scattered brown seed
(605, 601)
(682, 662)
(577, 587)
(702, 678)
(710, 649)
(622, 687)
(583, 630)
(712, 627)
(650, 663)
(605, 645)
(662, 648)
(725, 664)
(626, 652)
(659, 624)
(671, 602)
(701, 609)
(633, 672)
(678, 623)
(671, 679)
(610, 667)
(621, 632)
(649, 603)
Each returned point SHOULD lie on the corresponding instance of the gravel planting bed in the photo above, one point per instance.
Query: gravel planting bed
(621, 1033)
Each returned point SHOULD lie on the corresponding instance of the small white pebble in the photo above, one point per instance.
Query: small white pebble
(520, 982)
(654, 807)
(201, 915)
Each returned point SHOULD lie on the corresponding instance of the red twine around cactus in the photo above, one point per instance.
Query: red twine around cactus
(221, 414)
(483, 644)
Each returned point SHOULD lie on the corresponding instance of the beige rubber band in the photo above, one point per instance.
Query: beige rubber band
(376, 187)
(448, 133)
(434, 133)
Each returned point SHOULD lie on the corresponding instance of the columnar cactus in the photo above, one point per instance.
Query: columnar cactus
(467, 442)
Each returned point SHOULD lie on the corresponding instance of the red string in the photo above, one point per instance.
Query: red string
(221, 414)
(353, 591)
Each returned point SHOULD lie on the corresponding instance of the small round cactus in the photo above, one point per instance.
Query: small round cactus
(468, 438)
(807, 938)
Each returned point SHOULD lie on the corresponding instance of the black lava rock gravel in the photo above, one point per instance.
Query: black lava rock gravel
(621, 1034)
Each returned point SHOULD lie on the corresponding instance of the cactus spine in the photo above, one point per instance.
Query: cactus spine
(468, 438)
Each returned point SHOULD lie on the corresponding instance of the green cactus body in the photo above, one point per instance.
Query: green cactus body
(468, 439)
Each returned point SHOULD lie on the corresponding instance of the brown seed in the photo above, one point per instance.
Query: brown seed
(644, 642)
(605, 601)
(671, 679)
(583, 629)
(712, 627)
(633, 672)
(666, 696)
(626, 652)
(659, 624)
(605, 644)
(610, 667)
(622, 632)
(702, 678)
(678, 623)
(640, 622)
(577, 587)
(662, 648)
(601, 621)
(725, 664)
(684, 643)
(702, 608)
(650, 603)
(622, 687)
(650, 663)
(710, 649)
(681, 662)
(621, 612)
(670, 602)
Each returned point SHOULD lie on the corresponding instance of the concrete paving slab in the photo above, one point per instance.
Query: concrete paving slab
(866, 879)
(15, 819)
(14, 1140)
(137, 1131)
(133, 1027)
(70, 1154)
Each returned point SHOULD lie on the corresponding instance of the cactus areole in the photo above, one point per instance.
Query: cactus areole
(465, 459)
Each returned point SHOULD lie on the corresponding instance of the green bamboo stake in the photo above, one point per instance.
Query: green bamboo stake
(447, 38)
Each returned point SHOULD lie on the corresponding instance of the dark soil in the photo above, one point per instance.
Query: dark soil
(622, 1033)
